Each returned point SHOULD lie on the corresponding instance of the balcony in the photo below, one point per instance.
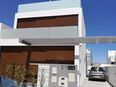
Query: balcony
(41, 33)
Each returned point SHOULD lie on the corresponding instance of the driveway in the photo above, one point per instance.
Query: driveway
(95, 83)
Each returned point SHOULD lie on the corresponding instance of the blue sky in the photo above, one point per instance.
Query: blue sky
(100, 20)
(99, 16)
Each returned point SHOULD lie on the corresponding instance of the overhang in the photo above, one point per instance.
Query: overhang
(68, 41)
(10, 42)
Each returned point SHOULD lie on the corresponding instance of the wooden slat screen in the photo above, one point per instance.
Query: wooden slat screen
(48, 21)
(43, 54)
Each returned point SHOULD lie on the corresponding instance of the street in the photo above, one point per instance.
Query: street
(95, 83)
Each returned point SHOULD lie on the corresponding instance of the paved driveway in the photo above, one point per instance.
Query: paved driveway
(95, 83)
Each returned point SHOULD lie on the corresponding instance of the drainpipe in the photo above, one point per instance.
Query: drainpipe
(27, 61)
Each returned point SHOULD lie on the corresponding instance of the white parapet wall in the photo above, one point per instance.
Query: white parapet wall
(8, 42)
(3, 26)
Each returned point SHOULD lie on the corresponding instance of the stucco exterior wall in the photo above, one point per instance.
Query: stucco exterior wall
(60, 4)
(82, 56)
(111, 71)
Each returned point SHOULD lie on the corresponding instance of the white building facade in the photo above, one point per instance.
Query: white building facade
(50, 25)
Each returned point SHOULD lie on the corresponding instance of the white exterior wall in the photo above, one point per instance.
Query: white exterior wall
(82, 56)
(4, 26)
(80, 61)
(8, 42)
(111, 56)
(77, 62)
(80, 51)
(46, 13)
(82, 48)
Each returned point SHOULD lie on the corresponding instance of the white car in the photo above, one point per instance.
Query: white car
(97, 73)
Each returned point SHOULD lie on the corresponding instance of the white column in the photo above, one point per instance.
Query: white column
(80, 29)
(15, 22)
(77, 62)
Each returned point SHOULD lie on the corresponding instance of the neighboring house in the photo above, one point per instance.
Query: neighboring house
(111, 68)
(111, 57)
(42, 38)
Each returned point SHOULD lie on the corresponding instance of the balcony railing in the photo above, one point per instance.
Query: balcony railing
(49, 5)
(49, 32)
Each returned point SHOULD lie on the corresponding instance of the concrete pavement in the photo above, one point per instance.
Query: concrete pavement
(95, 83)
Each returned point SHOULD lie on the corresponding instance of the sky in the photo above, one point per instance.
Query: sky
(100, 20)
(99, 15)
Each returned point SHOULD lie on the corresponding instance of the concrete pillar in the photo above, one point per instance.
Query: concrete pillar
(77, 62)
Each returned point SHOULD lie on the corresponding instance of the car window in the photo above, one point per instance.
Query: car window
(93, 69)
(97, 69)
(101, 69)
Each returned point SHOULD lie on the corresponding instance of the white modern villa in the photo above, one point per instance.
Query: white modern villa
(44, 38)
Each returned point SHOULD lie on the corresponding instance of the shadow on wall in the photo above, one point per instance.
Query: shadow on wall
(111, 71)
